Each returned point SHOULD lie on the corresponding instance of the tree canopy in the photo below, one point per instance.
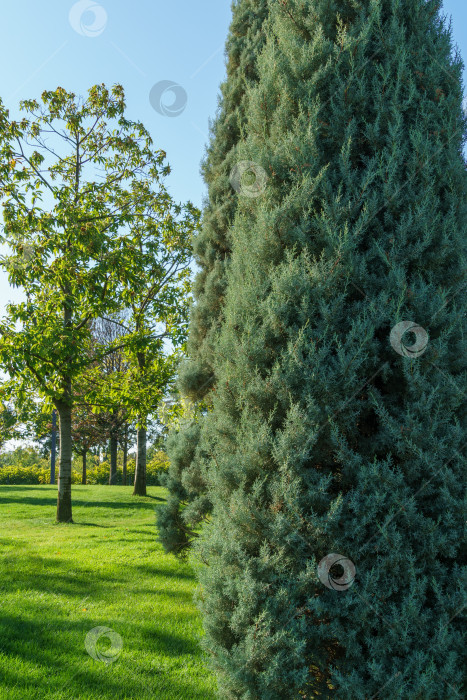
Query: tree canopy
(81, 187)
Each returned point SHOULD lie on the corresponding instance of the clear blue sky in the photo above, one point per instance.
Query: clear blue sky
(137, 44)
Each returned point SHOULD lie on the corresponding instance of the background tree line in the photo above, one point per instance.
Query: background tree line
(103, 435)
(101, 252)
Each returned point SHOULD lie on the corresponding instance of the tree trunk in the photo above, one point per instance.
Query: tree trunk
(140, 471)
(64, 514)
(125, 460)
(113, 459)
(83, 478)
(53, 447)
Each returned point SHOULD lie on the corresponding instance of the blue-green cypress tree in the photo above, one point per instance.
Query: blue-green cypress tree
(338, 422)
(188, 502)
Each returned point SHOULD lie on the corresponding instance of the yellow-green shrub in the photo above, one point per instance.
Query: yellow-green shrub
(12, 474)
(24, 475)
(155, 467)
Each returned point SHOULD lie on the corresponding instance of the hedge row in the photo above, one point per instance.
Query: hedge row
(10, 474)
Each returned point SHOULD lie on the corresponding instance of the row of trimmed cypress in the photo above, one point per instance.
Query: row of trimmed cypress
(320, 434)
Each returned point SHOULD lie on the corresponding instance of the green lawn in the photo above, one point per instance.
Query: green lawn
(58, 582)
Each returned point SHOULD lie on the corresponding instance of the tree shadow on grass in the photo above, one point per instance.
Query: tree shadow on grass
(127, 505)
(29, 487)
(56, 650)
(31, 572)
(76, 503)
(52, 576)
(81, 522)
(35, 501)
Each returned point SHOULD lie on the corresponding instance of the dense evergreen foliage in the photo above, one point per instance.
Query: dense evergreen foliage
(332, 431)
(212, 252)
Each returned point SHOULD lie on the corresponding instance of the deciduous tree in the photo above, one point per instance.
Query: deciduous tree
(158, 299)
(74, 175)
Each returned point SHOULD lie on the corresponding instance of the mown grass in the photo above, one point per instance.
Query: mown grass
(58, 582)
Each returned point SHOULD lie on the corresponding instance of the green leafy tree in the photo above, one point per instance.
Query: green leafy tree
(188, 501)
(22, 458)
(25, 417)
(127, 434)
(74, 175)
(333, 430)
(86, 433)
(105, 423)
(7, 423)
(112, 421)
(157, 297)
(34, 421)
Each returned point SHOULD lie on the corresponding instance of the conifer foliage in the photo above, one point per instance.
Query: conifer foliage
(212, 252)
(332, 560)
